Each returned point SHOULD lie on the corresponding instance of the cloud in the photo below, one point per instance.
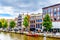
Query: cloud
(15, 7)
(25, 5)
(7, 12)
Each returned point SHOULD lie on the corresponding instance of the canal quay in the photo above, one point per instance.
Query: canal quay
(14, 36)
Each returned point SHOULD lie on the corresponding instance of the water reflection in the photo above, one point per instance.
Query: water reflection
(13, 36)
(53, 39)
(44, 38)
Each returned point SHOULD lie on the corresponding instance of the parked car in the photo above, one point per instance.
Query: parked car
(5, 29)
(16, 30)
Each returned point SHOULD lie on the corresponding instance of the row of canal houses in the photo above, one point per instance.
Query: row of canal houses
(37, 19)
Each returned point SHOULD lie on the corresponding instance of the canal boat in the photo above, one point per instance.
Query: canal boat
(34, 35)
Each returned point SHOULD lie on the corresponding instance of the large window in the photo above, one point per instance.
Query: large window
(39, 26)
(58, 13)
(55, 13)
(49, 10)
(39, 20)
(58, 8)
(44, 11)
(32, 21)
(32, 26)
(32, 18)
(41, 17)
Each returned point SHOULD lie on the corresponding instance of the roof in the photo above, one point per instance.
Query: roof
(51, 6)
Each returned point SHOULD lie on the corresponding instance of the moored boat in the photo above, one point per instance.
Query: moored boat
(35, 35)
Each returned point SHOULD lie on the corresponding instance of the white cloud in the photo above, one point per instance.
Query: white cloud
(14, 7)
(8, 10)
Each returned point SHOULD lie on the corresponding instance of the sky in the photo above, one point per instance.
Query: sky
(12, 8)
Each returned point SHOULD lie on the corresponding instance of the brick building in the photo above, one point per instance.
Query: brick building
(36, 21)
(54, 13)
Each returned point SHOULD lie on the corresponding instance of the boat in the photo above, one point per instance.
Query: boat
(34, 35)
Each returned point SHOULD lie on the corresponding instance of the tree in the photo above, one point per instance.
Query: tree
(28, 18)
(25, 22)
(0, 24)
(47, 23)
(4, 23)
(12, 24)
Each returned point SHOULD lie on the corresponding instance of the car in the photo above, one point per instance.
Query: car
(16, 30)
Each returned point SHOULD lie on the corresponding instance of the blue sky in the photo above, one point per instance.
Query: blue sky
(5, 15)
(14, 7)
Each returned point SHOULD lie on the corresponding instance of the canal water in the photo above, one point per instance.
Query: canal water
(14, 36)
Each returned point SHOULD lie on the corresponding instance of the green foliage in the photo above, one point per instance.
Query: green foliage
(0, 24)
(47, 23)
(12, 24)
(3, 23)
(25, 22)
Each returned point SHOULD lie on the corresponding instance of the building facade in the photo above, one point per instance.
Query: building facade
(54, 13)
(36, 22)
(19, 21)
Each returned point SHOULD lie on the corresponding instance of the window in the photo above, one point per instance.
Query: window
(49, 10)
(44, 11)
(32, 18)
(41, 17)
(19, 19)
(32, 26)
(55, 13)
(54, 9)
(19, 24)
(51, 14)
(32, 21)
(39, 26)
(58, 13)
(39, 20)
(58, 8)
(57, 18)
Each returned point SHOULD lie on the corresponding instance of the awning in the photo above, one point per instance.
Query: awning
(56, 24)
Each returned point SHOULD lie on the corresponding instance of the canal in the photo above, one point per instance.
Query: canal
(14, 36)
